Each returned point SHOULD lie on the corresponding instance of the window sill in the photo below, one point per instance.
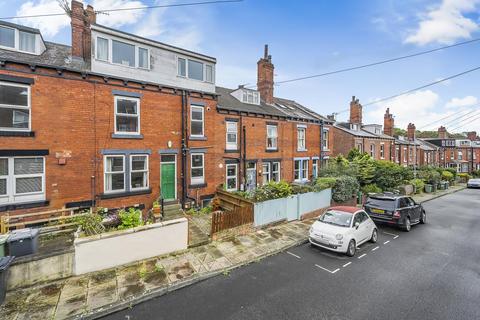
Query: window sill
(29, 134)
(26, 205)
(232, 150)
(197, 138)
(302, 150)
(197, 186)
(126, 136)
(271, 150)
(104, 196)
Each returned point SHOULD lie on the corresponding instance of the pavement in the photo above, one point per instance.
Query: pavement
(97, 294)
(431, 272)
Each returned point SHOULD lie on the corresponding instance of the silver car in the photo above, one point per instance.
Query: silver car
(473, 183)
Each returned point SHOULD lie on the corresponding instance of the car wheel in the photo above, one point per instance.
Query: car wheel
(352, 247)
(423, 218)
(408, 225)
(374, 237)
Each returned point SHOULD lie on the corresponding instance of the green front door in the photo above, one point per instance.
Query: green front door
(168, 180)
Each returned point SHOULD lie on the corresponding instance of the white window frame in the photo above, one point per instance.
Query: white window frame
(197, 180)
(15, 41)
(12, 197)
(372, 150)
(382, 150)
(147, 171)
(302, 170)
(251, 97)
(97, 51)
(275, 138)
(148, 58)
(404, 154)
(212, 67)
(227, 177)
(460, 155)
(267, 173)
(202, 108)
(315, 167)
(110, 40)
(135, 53)
(105, 173)
(178, 67)
(231, 145)
(137, 100)
(277, 171)
(301, 140)
(325, 137)
(28, 107)
(34, 42)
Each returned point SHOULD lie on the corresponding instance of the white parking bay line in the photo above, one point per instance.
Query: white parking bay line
(347, 264)
(391, 234)
(292, 254)
(386, 242)
(363, 255)
(375, 248)
(395, 237)
(325, 269)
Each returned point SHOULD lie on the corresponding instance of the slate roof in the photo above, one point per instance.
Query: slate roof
(345, 126)
(55, 55)
(289, 109)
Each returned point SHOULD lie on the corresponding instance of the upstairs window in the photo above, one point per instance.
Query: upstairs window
(195, 70)
(382, 151)
(123, 53)
(232, 134)
(14, 107)
(460, 155)
(27, 41)
(127, 115)
(143, 58)
(209, 73)
(301, 138)
(272, 137)
(196, 121)
(102, 49)
(182, 67)
(325, 139)
(372, 150)
(251, 97)
(7, 37)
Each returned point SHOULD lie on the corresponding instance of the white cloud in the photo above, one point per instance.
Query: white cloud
(49, 26)
(462, 102)
(445, 24)
(119, 18)
(52, 25)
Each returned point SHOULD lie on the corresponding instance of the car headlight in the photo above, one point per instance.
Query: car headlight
(339, 236)
(311, 230)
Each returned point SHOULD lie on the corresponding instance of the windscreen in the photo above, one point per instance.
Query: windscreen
(386, 204)
(337, 218)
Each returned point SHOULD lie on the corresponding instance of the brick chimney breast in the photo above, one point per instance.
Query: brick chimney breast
(81, 20)
(265, 70)
(472, 135)
(388, 123)
(355, 111)
(442, 133)
(411, 131)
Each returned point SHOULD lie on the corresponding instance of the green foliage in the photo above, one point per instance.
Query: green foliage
(476, 173)
(91, 224)
(338, 166)
(371, 188)
(452, 171)
(389, 175)
(429, 175)
(354, 153)
(345, 188)
(464, 177)
(272, 190)
(324, 183)
(130, 219)
(204, 210)
(366, 168)
(419, 185)
(447, 176)
(301, 188)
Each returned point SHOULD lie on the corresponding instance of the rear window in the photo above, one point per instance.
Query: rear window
(386, 204)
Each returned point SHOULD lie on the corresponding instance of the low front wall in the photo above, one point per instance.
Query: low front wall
(290, 208)
(122, 247)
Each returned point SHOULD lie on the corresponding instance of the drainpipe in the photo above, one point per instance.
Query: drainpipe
(320, 157)
(184, 151)
(244, 154)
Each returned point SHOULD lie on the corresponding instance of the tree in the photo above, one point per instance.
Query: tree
(366, 168)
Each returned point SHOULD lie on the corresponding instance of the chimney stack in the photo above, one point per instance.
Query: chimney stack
(388, 123)
(265, 77)
(442, 133)
(81, 20)
(472, 135)
(355, 111)
(411, 131)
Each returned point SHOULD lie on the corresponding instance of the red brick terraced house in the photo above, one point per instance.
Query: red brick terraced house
(118, 120)
(114, 119)
(369, 138)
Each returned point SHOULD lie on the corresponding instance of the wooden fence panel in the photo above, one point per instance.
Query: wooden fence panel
(236, 212)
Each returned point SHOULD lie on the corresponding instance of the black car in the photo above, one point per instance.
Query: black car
(395, 209)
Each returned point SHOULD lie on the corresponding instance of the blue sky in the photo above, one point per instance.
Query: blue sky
(309, 37)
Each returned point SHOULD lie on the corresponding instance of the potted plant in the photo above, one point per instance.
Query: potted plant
(157, 209)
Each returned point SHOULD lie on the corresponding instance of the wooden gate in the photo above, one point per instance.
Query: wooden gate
(237, 211)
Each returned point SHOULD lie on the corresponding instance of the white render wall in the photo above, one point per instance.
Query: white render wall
(122, 247)
(163, 63)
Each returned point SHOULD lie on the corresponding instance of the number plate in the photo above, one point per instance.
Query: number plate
(379, 211)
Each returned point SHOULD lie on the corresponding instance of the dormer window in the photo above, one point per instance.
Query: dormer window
(18, 39)
(123, 53)
(252, 97)
(7, 37)
(195, 70)
(355, 126)
(27, 41)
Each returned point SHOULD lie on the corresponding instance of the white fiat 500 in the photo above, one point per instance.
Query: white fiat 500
(342, 229)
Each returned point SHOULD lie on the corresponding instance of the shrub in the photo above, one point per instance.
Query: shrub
(272, 190)
(303, 188)
(371, 188)
(338, 166)
(130, 219)
(476, 173)
(324, 183)
(447, 176)
(389, 175)
(419, 185)
(91, 223)
(345, 188)
(464, 177)
(452, 171)
(429, 175)
(365, 168)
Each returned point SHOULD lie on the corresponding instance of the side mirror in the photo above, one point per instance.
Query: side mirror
(357, 224)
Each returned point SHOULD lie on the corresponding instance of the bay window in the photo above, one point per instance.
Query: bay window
(197, 165)
(127, 115)
(22, 179)
(14, 107)
(272, 137)
(231, 177)
(196, 121)
(232, 135)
